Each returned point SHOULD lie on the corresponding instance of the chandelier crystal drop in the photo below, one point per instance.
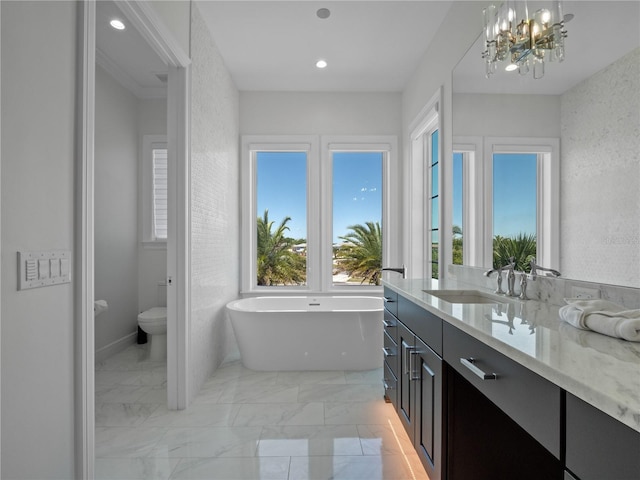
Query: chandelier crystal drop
(522, 40)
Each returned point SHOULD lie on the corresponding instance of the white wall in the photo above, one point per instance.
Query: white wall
(460, 29)
(493, 115)
(600, 176)
(280, 113)
(38, 102)
(152, 262)
(215, 211)
(116, 207)
(176, 17)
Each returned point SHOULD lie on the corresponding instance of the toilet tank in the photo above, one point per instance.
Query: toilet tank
(162, 294)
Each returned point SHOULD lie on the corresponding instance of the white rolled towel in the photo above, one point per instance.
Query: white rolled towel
(602, 316)
(100, 306)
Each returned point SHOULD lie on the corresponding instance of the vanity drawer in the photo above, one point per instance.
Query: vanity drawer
(390, 383)
(423, 324)
(391, 300)
(530, 400)
(391, 353)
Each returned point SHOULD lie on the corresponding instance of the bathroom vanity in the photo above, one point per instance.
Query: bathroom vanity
(503, 389)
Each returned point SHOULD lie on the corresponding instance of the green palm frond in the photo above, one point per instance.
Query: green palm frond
(277, 264)
(361, 255)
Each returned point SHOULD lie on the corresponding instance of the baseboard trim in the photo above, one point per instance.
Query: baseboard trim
(114, 347)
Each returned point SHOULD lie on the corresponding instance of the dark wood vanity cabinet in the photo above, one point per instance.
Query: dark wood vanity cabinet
(473, 413)
(503, 420)
(598, 446)
(390, 347)
(420, 389)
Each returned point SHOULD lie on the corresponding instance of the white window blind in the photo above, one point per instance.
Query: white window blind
(160, 193)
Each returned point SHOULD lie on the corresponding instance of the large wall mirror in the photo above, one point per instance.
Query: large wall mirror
(590, 104)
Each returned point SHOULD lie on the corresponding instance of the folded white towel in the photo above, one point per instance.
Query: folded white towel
(603, 317)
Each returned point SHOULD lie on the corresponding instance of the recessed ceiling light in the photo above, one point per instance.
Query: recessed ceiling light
(323, 13)
(321, 64)
(117, 24)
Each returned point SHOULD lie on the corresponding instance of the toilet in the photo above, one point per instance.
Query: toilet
(154, 323)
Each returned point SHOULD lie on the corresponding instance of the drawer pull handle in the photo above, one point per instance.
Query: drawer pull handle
(388, 352)
(388, 324)
(388, 300)
(469, 363)
(386, 385)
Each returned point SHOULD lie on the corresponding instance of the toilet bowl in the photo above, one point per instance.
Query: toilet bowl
(154, 323)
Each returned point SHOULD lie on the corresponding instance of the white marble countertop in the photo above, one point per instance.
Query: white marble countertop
(602, 371)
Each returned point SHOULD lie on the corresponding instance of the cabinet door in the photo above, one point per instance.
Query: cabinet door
(406, 344)
(599, 446)
(427, 375)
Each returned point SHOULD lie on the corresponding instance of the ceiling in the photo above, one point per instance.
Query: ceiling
(370, 46)
(273, 45)
(126, 55)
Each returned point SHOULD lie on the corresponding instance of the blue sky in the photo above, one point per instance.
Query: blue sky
(514, 193)
(357, 189)
(282, 185)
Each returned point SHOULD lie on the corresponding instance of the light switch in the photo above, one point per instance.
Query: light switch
(42, 269)
(64, 267)
(54, 267)
(31, 270)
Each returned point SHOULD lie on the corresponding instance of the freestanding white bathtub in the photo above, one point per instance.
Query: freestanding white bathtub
(308, 333)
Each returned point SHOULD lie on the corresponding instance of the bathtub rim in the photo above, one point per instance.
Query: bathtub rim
(232, 304)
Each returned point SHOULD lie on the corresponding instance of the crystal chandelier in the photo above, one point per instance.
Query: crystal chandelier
(524, 41)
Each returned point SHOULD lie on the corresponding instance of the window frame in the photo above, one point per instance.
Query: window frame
(319, 150)
(416, 213)
(387, 145)
(547, 191)
(471, 148)
(149, 143)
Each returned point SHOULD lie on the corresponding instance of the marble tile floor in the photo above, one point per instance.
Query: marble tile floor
(247, 425)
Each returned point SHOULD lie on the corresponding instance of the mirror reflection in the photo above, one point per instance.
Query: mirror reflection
(581, 208)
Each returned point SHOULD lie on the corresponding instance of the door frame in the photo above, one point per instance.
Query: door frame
(145, 19)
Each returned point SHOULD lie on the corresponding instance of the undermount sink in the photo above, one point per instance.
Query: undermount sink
(466, 296)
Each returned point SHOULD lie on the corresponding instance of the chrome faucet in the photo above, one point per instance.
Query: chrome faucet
(402, 270)
(535, 268)
(511, 277)
(499, 290)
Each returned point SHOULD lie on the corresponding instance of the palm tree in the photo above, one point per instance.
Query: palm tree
(457, 245)
(361, 255)
(277, 263)
(521, 246)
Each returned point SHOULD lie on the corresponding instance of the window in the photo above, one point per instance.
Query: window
(308, 213)
(154, 190)
(423, 219)
(521, 201)
(356, 217)
(160, 177)
(457, 246)
(514, 213)
(467, 239)
(281, 236)
(434, 201)
(505, 201)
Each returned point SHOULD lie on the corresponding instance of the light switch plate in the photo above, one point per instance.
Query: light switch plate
(42, 269)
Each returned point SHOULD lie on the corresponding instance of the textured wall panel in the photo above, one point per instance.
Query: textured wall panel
(600, 176)
(215, 214)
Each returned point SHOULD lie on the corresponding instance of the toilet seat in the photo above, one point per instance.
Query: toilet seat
(154, 323)
(153, 315)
